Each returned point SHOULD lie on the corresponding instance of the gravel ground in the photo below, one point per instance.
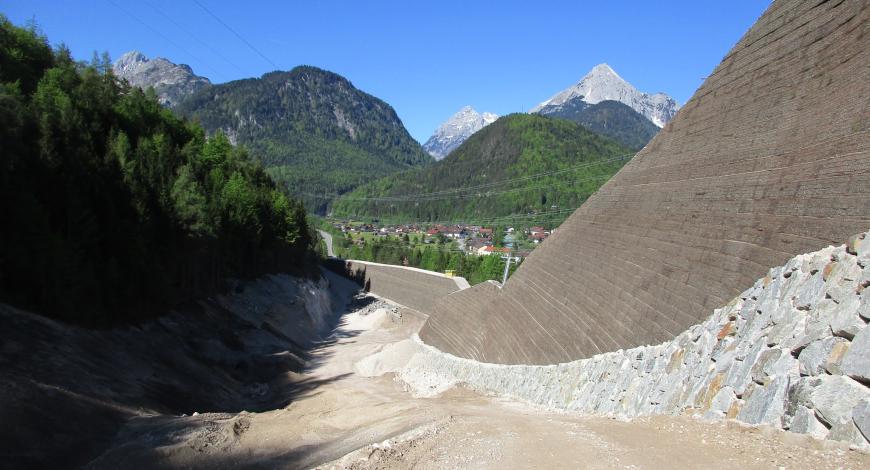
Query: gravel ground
(347, 420)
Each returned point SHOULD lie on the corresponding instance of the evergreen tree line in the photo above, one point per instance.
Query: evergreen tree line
(114, 208)
(573, 161)
(312, 129)
(434, 257)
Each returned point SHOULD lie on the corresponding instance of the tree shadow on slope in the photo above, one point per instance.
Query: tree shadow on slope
(66, 390)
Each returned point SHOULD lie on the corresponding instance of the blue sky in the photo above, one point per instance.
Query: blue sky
(427, 59)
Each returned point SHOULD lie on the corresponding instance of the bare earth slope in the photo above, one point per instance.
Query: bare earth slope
(769, 159)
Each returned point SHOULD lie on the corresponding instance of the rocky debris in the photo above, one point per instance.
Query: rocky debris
(365, 305)
(792, 351)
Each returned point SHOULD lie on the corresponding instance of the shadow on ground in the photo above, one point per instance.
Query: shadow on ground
(66, 391)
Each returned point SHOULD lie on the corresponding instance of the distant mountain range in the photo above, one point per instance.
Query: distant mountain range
(456, 130)
(320, 137)
(603, 84)
(172, 82)
(601, 101)
(313, 130)
(492, 174)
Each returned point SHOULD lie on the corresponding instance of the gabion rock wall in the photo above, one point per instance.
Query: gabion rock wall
(792, 351)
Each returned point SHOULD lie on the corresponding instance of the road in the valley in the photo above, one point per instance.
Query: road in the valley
(327, 238)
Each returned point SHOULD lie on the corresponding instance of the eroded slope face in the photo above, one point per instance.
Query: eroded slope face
(769, 159)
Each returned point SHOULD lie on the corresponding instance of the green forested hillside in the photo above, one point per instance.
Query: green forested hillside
(313, 130)
(610, 118)
(113, 208)
(493, 174)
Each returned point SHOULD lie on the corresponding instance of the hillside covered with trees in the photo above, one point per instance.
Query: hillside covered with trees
(524, 165)
(114, 208)
(610, 118)
(312, 129)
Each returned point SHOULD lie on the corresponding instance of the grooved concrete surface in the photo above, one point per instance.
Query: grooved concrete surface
(769, 159)
(414, 288)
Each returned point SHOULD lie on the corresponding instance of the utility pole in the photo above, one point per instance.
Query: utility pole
(507, 266)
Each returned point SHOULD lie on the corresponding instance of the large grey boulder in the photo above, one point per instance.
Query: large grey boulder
(813, 359)
(847, 432)
(805, 422)
(765, 405)
(861, 417)
(831, 396)
(856, 362)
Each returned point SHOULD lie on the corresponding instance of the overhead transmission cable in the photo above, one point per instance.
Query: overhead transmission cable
(165, 38)
(196, 38)
(435, 195)
(491, 220)
(216, 18)
(474, 196)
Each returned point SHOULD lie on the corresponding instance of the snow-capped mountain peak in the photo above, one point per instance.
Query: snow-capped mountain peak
(602, 83)
(456, 130)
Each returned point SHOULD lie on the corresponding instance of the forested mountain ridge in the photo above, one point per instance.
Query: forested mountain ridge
(113, 207)
(312, 129)
(521, 164)
(610, 118)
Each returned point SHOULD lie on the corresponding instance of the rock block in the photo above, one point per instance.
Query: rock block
(856, 362)
(834, 396)
(805, 422)
(813, 359)
(861, 417)
(765, 405)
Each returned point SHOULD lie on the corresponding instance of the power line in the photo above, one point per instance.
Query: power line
(236, 34)
(527, 177)
(166, 38)
(469, 196)
(489, 220)
(197, 39)
(447, 193)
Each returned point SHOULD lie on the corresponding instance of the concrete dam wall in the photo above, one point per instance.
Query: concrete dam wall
(769, 159)
(414, 288)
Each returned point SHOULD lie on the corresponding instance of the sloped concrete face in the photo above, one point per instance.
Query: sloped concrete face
(770, 356)
(769, 159)
(413, 288)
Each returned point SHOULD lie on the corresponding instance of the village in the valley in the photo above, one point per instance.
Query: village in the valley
(471, 239)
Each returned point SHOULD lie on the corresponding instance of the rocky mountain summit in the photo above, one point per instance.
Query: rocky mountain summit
(602, 84)
(454, 131)
(172, 82)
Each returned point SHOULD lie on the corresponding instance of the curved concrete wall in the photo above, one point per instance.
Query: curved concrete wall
(414, 288)
(770, 158)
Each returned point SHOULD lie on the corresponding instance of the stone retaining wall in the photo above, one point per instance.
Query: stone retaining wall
(792, 351)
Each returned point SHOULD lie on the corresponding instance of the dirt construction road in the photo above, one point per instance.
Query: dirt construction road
(345, 420)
